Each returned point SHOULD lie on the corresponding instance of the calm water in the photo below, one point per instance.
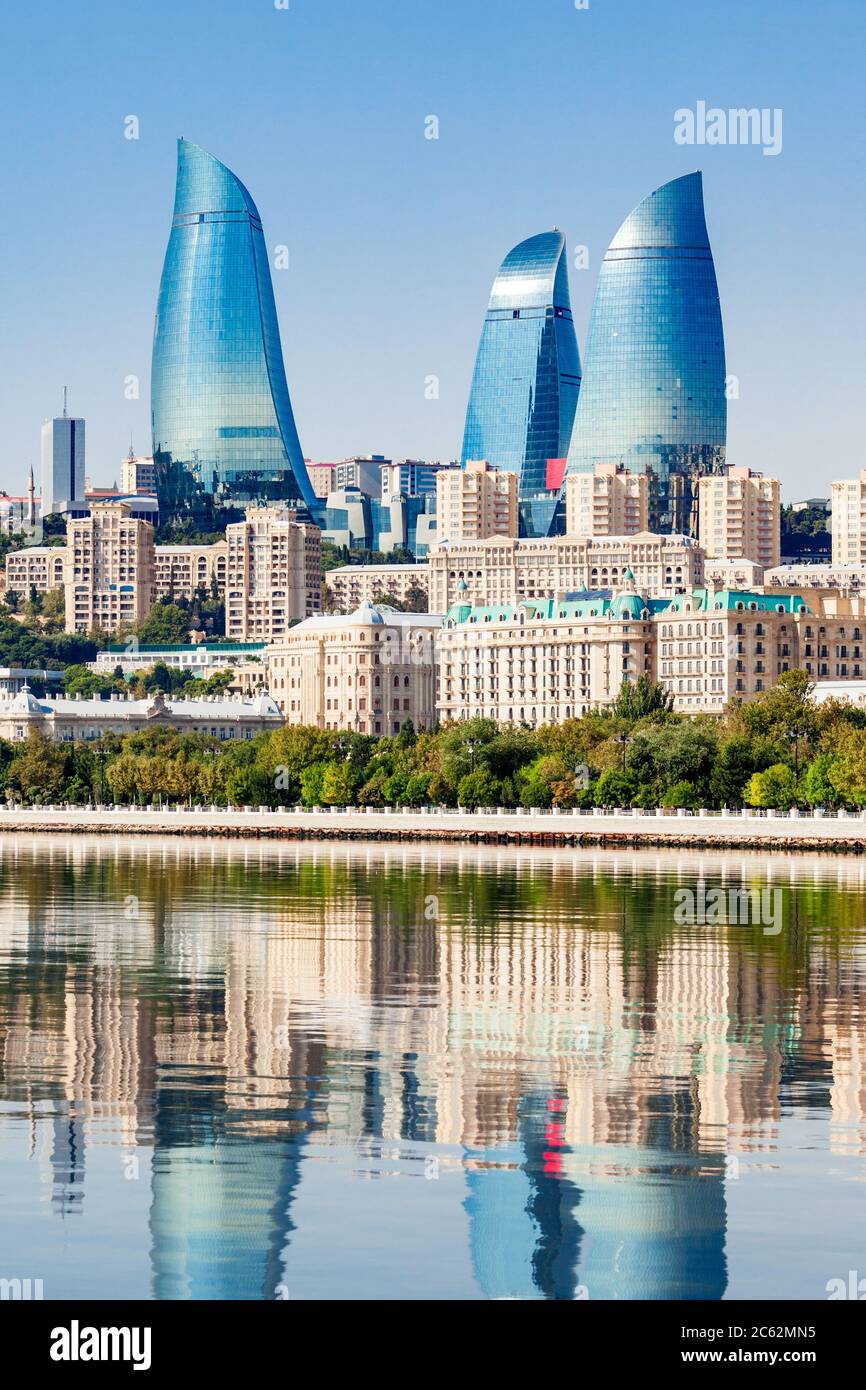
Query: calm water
(259, 1071)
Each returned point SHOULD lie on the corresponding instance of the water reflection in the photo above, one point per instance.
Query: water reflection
(256, 1034)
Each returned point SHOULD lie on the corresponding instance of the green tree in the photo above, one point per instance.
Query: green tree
(479, 788)
(38, 770)
(774, 788)
(166, 624)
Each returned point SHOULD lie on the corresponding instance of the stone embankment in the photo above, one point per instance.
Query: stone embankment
(789, 832)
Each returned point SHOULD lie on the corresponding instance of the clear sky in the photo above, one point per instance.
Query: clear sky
(548, 116)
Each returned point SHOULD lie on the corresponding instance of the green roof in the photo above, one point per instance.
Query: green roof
(624, 607)
(705, 600)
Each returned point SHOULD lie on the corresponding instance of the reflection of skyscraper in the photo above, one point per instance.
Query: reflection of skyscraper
(527, 374)
(653, 394)
(223, 428)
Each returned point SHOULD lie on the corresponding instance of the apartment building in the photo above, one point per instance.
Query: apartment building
(321, 477)
(36, 567)
(109, 575)
(182, 570)
(719, 645)
(137, 473)
(475, 502)
(739, 516)
(845, 578)
(508, 571)
(848, 523)
(273, 573)
(733, 574)
(351, 585)
(540, 662)
(369, 671)
(610, 501)
(543, 660)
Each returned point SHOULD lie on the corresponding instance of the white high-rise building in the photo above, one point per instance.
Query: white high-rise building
(62, 462)
(609, 501)
(739, 516)
(848, 526)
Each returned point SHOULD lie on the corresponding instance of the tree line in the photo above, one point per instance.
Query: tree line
(777, 750)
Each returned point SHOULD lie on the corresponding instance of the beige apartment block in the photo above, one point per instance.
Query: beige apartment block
(733, 574)
(475, 502)
(543, 661)
(109, 578)
(504, 570)
(739, 516)
(351, 585)
(137, 473)
(273, 573)
(321, 477)
(39, 567)
(368, 671)
(719, 645)
(182, 570)
(848, 524)
(840, 578)
(610, 501)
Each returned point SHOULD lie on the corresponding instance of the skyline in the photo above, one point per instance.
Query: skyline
(391, 237)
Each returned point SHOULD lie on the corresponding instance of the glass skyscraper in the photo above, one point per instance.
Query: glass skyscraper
(223, 429)
(653, 393)
(527, 374)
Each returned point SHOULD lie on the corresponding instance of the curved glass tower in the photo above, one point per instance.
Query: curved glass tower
(653, 393)
(527, 374)
(223, 429)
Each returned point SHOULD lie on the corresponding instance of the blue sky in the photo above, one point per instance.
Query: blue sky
(548, 116)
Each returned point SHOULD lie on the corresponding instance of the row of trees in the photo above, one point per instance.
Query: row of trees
(779, 750)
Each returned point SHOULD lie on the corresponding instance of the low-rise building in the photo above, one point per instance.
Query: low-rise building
(70, 720)
(506, 571)
(733, 574)
(200, 659)
(369, 671)
(351, 585)
(610, 501)
(38, 568)
(180, 571)
(846, 578)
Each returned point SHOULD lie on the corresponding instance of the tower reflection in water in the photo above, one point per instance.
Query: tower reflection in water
(590, 1072)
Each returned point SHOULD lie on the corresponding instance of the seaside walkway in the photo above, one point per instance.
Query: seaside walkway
(792, 830)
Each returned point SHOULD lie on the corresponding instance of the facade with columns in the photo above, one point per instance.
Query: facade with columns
(369, 671)
(542, 661)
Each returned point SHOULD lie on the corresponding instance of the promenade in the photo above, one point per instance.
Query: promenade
(791, 831)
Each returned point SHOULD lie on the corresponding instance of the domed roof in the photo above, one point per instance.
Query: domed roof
(25, 702)
(367, 612)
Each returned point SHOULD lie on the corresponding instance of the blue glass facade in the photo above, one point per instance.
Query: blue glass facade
(223, 429)
(527, 373)
(653, 392)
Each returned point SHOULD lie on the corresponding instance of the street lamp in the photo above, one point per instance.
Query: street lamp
(795, 735)
(622, 740)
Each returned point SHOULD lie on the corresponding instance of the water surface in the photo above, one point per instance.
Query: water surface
(265, 1071)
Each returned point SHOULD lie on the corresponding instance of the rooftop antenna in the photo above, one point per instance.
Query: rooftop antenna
(64, 401)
